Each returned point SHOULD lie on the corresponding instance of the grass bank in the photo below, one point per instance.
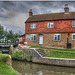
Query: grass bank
(58, 53)
(47, 48)
(4, 57)
(4, 68)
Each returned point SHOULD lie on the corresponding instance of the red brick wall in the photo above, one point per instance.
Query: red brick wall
(42, 27)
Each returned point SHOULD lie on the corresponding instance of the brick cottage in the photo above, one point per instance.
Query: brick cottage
(51, 30)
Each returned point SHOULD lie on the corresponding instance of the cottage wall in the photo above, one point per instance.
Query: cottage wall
(42, 27)
(63, 27)
(48, 40)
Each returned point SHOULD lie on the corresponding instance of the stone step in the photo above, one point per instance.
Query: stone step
(41, 52)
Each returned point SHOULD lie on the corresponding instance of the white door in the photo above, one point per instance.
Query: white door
(40, 39)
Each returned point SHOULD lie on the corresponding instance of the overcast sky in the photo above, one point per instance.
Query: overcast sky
(13, 14)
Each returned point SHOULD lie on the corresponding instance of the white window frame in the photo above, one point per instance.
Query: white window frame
(57, 37)
(33, 37)
(51, 24)
(33, 26)
(72, 23)
(20, 39)
(72, 36)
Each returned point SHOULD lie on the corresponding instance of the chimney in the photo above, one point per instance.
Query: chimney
(30, 13)
(66, 9)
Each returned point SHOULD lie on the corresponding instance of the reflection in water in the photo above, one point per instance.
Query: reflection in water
(29, 68)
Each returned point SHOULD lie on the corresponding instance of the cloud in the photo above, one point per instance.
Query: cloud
(14, 13)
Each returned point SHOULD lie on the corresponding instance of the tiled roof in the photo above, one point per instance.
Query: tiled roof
(52, 16)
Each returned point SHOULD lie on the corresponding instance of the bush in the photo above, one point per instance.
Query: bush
(17, 55)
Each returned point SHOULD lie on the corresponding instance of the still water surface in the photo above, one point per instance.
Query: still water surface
(29, 68)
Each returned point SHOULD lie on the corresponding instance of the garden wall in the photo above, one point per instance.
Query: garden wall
(52, 61)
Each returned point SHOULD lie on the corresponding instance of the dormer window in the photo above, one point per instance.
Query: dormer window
(50, 25)
(73, 24)
(33, 26)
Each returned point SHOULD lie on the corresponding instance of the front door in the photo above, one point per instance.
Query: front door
(40, 39)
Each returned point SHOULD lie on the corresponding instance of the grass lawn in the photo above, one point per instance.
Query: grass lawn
(58, 54)
(3, 55)
(52, 48)
(4, 43)
(4, 69)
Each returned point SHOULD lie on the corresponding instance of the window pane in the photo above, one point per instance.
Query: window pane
(73, 36)
(34, 37)
(73, 24)
(34, 25)
(31, 37)
(55, 38)
(31, 25)
(48, 25)
(58, 37)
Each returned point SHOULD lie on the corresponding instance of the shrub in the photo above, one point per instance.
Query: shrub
(17, 55)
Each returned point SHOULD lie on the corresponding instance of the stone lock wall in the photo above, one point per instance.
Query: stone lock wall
(37, 58)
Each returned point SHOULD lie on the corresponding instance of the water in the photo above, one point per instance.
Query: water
(29, 68)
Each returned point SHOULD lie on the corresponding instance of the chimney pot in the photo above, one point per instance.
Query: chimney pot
(66, 9)
(30, 13)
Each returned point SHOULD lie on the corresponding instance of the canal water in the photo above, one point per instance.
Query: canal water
(29, 68)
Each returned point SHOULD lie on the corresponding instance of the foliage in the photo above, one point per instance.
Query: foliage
(9, 34)
(24, 54)
(17, 55)
(4, 69)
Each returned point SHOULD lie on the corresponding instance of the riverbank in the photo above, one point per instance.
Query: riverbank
(5, 65)
(44, 55)
(5, 69)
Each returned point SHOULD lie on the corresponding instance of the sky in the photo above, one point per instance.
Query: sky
(13, 14)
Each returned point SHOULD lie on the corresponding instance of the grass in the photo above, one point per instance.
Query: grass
(58, 54)
(4, 43)
(52, 48)
(3, 55)
(4, 69)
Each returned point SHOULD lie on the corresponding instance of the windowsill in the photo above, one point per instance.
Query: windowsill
(33, 28)
(34, 40)
(57, 41)
(73, 39)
